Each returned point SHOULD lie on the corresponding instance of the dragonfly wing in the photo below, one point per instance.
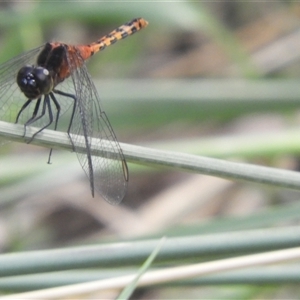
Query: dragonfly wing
(91, 131)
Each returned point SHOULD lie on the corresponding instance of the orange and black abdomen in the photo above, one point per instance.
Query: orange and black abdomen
(119, 33)
(61, 59)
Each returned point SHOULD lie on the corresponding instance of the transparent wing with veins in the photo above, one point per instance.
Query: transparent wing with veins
(91, 130)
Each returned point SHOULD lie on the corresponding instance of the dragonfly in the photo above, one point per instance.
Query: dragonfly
(39, 86)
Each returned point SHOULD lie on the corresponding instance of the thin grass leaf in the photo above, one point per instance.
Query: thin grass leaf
(153, 157)
(127, 292)
(260, 275)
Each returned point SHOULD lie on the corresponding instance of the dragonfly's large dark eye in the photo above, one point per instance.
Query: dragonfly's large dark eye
(34, 81)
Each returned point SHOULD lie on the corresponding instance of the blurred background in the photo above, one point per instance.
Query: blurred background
(218, 79)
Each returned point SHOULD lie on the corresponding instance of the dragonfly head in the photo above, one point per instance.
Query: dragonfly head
(34, 81)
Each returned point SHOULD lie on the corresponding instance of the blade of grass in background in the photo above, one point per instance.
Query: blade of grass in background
(129, 289)
(167, 274)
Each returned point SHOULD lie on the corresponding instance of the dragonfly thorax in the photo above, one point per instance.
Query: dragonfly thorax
(34, 81)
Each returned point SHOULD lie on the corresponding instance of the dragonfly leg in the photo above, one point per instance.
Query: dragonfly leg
(73, 112)
(46, 105)
(36, 109)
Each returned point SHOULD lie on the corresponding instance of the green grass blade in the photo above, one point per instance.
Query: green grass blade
(127, 292)
(180, 161)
